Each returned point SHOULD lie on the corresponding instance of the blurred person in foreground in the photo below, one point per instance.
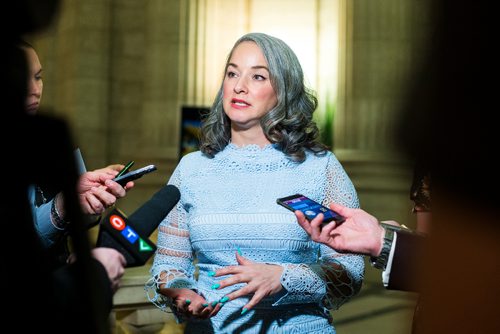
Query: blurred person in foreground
(452, 97)
(96, 191)
(74, 298)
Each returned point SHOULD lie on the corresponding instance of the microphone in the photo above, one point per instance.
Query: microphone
(147, 218)
(130, 236)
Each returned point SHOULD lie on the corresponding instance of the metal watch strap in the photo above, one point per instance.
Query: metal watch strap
(380, 261)
(55, 217)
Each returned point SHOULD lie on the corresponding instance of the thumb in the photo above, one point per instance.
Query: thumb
(110, 169)
(343, 210)
(114, 167)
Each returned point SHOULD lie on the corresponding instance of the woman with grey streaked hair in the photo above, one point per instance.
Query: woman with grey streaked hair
(289, 123)
(258, 271)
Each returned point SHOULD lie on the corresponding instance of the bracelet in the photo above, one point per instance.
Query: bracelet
(380, 261)
(55, 216)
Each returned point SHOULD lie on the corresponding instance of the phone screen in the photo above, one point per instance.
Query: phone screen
(310, 208)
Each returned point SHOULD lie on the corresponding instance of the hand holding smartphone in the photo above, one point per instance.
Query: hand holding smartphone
(133, 175)
(310, 208)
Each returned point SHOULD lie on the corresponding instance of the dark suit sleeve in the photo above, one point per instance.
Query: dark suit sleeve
(73, 307)
(406, 262)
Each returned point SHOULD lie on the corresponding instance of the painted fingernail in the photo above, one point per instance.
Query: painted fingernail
(214, 303)
(188, 302)
(224, 299)
(204, 305)
(244, 310)
(239, 250)
(211, 273)
(216, 286)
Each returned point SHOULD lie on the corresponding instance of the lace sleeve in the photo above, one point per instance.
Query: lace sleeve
(336, 277)
(334, 280)
(173, 263)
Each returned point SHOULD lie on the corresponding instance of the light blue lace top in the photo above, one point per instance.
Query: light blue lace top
(229, 202)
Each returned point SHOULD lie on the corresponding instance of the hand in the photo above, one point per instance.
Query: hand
(359, 233)
(114, 263)
(262, 280)
(97, 191)
(189, 304)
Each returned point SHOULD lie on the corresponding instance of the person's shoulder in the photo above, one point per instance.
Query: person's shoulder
(193, 158)
(325, 158)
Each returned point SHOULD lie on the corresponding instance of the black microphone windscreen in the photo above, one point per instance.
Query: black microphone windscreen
(117, 232)
(146, 219)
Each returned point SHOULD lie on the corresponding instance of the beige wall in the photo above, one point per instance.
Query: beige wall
(120, 70)
(380, 43)
(112, 68)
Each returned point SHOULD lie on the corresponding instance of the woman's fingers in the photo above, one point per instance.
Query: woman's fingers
(257, 297)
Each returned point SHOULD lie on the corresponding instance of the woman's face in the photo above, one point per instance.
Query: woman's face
(35, 83)
(248, 93)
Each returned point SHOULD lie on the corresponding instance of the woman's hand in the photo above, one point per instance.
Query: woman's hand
(190, 304)
(262, 280)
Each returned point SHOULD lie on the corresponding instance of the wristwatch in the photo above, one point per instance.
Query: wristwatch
(380, 261)
(55, 216)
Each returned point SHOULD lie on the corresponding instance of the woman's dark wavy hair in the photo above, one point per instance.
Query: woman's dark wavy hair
(290, 123)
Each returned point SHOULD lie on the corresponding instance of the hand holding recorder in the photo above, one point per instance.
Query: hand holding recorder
(95, 191)
(123, 178)
(360, 232)
(310, 208)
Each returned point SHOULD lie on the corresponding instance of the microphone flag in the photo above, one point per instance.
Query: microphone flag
(116, 232)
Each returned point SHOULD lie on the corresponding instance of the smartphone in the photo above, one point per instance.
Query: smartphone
(310, 208)
(126, 168)
(135, 174)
